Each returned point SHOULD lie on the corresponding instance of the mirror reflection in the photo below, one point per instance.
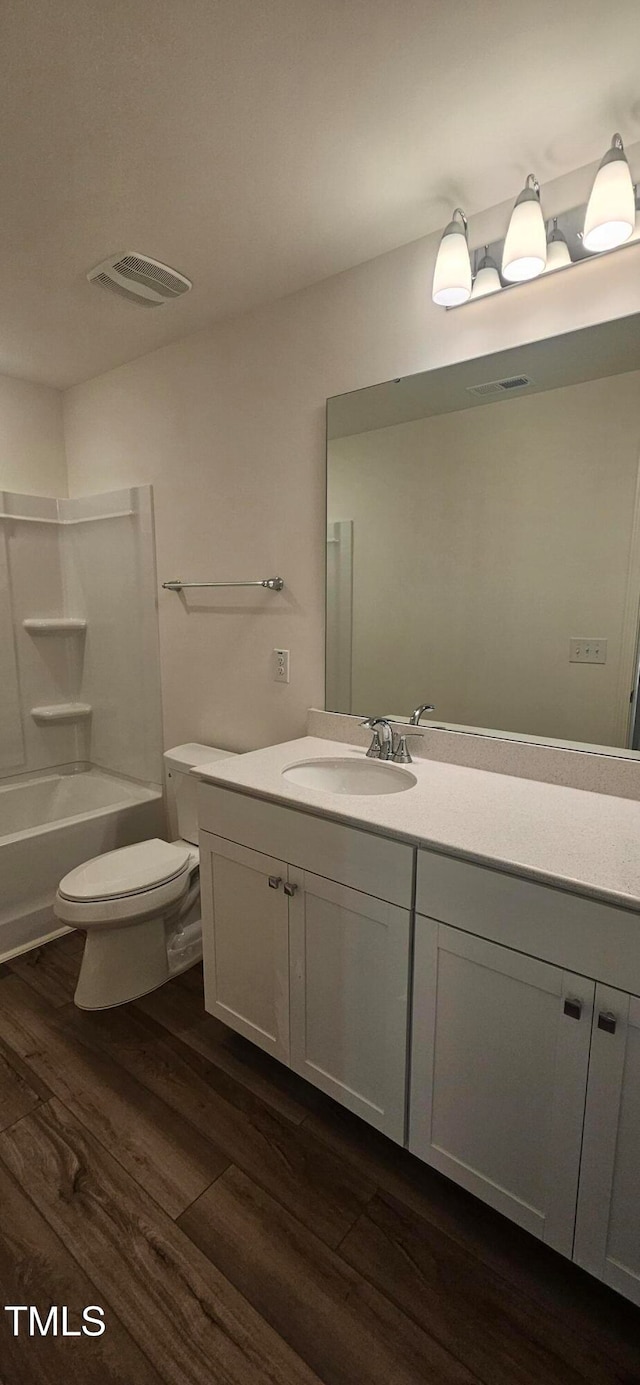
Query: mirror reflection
(483, 542)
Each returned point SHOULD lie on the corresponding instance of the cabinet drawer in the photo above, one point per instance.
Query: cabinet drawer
(575, 933)
(374, 865)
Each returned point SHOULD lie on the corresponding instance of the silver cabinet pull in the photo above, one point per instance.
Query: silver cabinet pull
(275, 882)
(573, 1008)
(290, 889)
(607, 1021)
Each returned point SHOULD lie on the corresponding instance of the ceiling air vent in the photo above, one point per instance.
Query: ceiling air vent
(510, 382)
(140, 279)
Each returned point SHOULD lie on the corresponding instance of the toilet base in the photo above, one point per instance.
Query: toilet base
(121, 964)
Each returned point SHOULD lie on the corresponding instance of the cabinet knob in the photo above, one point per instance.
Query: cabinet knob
(607, 1021)
(275, 882)
(573, 1008)
(290, 889)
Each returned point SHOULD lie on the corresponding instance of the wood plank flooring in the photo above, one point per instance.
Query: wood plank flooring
(236, 1226)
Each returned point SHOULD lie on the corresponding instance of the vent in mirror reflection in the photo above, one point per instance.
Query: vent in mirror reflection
(511, 382)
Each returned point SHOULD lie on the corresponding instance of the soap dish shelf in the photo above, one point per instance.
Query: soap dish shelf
(62, 711)
(55, 625)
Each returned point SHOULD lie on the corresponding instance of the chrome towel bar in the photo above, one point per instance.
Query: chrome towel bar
(274, 584)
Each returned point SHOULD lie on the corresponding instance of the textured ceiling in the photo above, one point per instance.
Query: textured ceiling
(261, 145)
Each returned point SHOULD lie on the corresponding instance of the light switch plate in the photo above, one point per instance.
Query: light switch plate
(588, 651)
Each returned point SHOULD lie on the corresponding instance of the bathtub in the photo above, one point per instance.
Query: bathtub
(51, 823)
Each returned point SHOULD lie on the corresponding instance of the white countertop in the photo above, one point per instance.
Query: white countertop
(571, 838)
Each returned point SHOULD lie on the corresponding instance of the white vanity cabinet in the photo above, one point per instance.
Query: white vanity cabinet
(525, 1072)
(608, 1219)
(246, 942)
(306, 940)
(523, 1018)
(349, 986)
(499, 1073)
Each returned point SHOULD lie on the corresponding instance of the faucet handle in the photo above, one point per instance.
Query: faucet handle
(375, 749)
(401, 754)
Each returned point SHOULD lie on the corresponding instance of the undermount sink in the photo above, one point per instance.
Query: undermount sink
(344, 775)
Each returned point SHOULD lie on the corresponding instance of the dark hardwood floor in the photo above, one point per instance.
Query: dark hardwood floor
(236, 1226)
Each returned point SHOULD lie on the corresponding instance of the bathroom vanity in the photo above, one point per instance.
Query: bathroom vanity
(458, 963)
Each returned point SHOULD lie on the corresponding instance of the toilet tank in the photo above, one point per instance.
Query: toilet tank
(182, 786)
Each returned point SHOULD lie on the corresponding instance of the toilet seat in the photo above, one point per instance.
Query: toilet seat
(131, 883)
(126, 871)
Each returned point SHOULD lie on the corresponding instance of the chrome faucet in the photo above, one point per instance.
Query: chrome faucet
(415, 716)
(385, 743)
(381, 747)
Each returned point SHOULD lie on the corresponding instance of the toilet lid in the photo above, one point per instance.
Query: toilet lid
(129, 870)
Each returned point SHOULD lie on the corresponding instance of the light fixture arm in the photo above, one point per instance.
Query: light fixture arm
(616, 151)
(530, 191)
(555, 234)
(459, 212)
(458, 226)
(483, 260)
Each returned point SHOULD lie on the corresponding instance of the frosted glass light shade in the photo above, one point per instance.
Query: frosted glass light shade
(525, 247)
(487, 280)
(558, 256)
(611, 209)
(452, 274)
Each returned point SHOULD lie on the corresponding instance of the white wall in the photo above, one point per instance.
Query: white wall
(508, 532)
(32, 455)
(229, 426)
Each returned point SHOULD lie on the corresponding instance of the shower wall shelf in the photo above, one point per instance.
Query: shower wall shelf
(49, 519)
(62, 711)
(55, 625)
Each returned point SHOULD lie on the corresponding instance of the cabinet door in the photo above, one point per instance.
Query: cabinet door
(499, 1074)
(349, 984)
(608, 1223)
(245, 940)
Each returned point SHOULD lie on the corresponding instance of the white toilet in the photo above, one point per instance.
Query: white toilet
(140, 905)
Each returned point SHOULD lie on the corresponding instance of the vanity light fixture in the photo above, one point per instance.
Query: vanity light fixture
(487, 277)
(611, 209)
(636, 228)
(529, 249)
(525, 246)
(558, 253)
(452, 274)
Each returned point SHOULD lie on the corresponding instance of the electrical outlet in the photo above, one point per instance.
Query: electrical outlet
(587, 651)
(281, 665)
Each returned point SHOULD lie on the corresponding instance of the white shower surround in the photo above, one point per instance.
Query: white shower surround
(80, 716)
(78, 597)
(52, 822)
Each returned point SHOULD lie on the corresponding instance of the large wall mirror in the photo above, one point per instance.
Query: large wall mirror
(483, 542)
